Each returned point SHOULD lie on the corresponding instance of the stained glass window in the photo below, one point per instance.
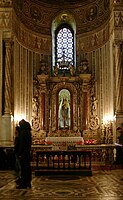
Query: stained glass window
(64, 46)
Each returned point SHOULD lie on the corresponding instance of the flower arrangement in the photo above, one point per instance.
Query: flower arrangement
(90, 141)
(38, 141)
(48, 143)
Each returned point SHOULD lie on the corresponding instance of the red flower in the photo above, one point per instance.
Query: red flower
(48, 143)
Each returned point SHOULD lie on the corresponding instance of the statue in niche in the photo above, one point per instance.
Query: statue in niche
(35, 107)
(35, 118)
(55, 71)
(64, 113)
(72, 70)
(94, 106)
(83, 68)
(94, 120)
(43, 68)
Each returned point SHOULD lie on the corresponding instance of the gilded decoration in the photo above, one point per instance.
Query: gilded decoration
(38, 16)
(91, 13)
(84, 105)
(35, 117)
(55, 90)
(83, 68)
(38, 43)
(64, 17)
(118, 18)
(94, 40)
(41, 42)
(38, 38)
(43, 68)
(5, 19)
(5, 2)
(73, 93)
(35, 13)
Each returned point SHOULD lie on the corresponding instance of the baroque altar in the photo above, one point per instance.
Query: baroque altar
(64, 105)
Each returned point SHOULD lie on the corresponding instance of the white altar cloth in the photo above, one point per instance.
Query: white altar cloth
(64, 139)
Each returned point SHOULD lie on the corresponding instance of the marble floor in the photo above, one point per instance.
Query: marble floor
(102, 185)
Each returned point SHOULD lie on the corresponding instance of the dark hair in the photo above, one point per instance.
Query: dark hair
(22, 122)
(24, 125)
(17, 128)
(118, 128)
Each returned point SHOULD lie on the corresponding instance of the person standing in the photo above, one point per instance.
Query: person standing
(16, 152)
(25, 154)
(119, 148)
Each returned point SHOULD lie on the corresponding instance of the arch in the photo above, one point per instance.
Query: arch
(73, 105)
(64, 18)
(64, 45)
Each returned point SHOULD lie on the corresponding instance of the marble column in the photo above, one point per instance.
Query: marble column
(7, 119)
(7, 80)
(85, 106)
(43, 101)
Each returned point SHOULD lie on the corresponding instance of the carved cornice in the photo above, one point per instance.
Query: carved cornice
(85, 77)
(42, 78)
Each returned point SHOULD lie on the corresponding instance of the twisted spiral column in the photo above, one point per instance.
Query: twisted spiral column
(7, 80)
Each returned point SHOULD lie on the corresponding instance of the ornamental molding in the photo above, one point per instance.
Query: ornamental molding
(93, 122)
(118, 18)
(95, 39)
(5, 2)
(31, 40)
(38, 16)
(6, 19)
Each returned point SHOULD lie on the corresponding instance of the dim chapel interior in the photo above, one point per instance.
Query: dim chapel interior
(61, 69)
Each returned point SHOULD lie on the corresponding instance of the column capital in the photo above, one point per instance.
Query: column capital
(8, 42)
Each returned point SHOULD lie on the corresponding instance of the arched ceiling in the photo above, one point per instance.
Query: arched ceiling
(38, 15)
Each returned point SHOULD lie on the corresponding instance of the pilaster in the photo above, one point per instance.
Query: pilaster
(85, 82)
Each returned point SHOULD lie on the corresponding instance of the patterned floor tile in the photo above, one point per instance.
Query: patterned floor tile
(102, 185)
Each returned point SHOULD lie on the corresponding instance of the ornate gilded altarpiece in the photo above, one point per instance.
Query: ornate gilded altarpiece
(64, 104)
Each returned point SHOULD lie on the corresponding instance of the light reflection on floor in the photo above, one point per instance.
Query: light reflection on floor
(102, 185)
